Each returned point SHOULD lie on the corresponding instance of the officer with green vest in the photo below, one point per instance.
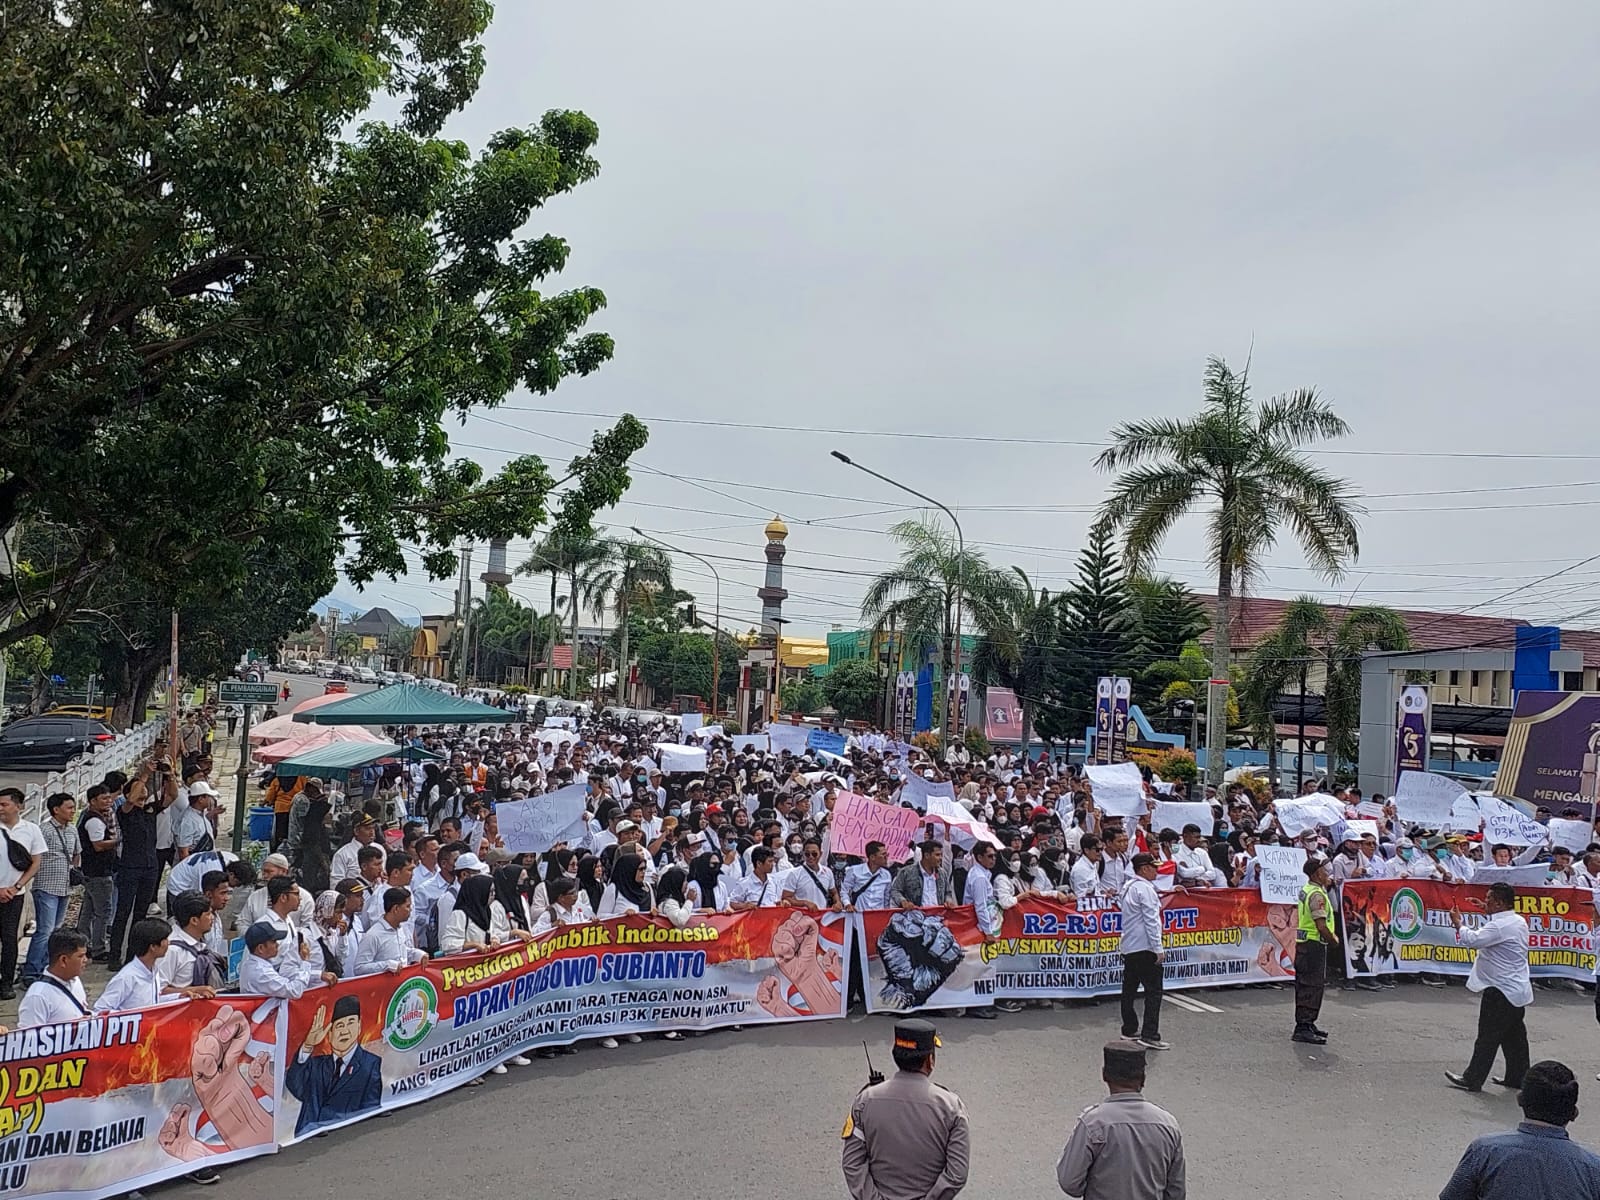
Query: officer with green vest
(1312, 941)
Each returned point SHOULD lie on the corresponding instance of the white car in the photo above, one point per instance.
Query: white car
(366, 675)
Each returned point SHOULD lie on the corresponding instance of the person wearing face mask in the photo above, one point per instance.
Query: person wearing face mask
(1406, 863)
(706, 890)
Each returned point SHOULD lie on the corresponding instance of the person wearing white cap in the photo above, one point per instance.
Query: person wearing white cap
(191, 823)
(255, 908)
(466, 866)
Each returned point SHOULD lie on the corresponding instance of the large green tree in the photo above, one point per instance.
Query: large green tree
(230, 316)
(1244, 462)
(854, 689)
(917, 596)
(628, 576)
(1314, 645)
(679, 664)
(1097, 637)
(1024, 649)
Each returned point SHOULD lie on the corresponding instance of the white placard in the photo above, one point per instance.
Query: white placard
(1370, 808)
(1574, 835)
(706, 732)
(1466, 814)
(1118, 789)
(1281, 870)
(1297, 816)
(680, 760)
(534, 825)
(689, 722)
(919, 791)
(743, 743)
(560, 723)
(1174, 815)
(1426, 799)
(1528, 875)
(788, 737)
(1504, 824)
(1360, 829)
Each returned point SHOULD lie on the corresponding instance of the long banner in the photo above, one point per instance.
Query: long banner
(937, 957)
(1402, 926)
(119, 1101)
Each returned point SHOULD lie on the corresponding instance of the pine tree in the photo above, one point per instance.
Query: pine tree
(1097, 638)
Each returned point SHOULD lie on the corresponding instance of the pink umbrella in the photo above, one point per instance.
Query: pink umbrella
(319, 701)
(282, 748)
(278, 727)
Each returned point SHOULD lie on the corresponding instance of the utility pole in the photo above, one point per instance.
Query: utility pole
(464, 614)
(172, 694)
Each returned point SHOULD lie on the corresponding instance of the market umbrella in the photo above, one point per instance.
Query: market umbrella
(407, 704)
(275, 729)
(335, 758)
(314, 738)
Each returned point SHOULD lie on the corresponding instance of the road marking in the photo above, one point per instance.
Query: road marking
(1190, 1003)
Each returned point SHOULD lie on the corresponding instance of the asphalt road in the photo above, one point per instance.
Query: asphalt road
(758, 1113)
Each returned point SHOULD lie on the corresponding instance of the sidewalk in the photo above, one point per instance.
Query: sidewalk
(224, 777)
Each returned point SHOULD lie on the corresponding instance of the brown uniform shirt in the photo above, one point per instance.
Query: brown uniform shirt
(906, 1139)
(1124, 1148)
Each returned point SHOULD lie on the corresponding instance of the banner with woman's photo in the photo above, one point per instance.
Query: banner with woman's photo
(385, 1041)
(1403, 926)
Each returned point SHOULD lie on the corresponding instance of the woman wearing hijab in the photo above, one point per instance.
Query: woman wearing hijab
(671, 898)
(627, 892)
(512, 891)
(557, 864)
(327, 935)
(479, 922)
(314, 855)
(705, 888)
(590, 885)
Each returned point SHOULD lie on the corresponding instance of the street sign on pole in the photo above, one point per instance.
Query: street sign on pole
(234, 691)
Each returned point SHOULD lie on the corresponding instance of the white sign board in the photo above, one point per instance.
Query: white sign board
(1360, 829)
(1466, 814)
(1426, 799)
(689, 722)
(1174, 815)
(1297, 816)
(560, 723)
(680, 760)
(1370, 808)
(1118, 789)
(1503, 823)
(919, 792)
(1528, 875)
(788, 737)
(534, 825)
(743, 743)
(1574, 835)
(1281, 870)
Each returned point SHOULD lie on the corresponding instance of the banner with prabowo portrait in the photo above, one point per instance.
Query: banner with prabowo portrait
(119, 1101)
(1402, 926)
(385, 1041)
(1047, 950)
(923, 958)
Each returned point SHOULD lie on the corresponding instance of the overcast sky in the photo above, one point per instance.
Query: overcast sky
(1033, 220)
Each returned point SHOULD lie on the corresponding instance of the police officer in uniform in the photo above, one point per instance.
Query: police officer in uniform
(1311, 946)
(906, 1138)
(1124, 1148)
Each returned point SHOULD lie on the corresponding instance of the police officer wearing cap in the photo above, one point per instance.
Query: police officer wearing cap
(1124, 1148)
(1311, 947)
(906, 1138)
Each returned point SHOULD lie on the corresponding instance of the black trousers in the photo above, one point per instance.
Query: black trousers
(1500, 1027)
(135, 891)
(10, 926)
(1141, 969)
(1310, 980)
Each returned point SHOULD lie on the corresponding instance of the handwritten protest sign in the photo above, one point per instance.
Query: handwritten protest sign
(1281, 870)
(1504, 823)
(1426, 799)
(1466, 814)
(858, 820)
(1360, 829)
(788, 737)
(1118, 789)
(825, 739)
(1527, 875)
(1370, 808)
(532, 826)
(1574, 835)
(1174, 815)
(1297, 816)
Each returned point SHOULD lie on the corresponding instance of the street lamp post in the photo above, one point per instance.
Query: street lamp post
(716, 661)
(961, 557)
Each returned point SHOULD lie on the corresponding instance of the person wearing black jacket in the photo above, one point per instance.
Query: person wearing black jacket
(139, 868)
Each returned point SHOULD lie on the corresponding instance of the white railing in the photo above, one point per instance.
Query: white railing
(117, 755)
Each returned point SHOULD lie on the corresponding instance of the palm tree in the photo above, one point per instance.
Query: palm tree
(918, 595)
(1308, 638)
(502, 632)
(629, 574)
(572, 554)
(1245, 462)
(1022, 649)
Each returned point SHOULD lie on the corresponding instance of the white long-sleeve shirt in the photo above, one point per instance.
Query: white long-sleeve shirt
(135, 986)
(1141, 916)
(262, 977)
(980, 894)
(1502, 959)
(454, 936)
(384, 948)
(1085, 878)
(556, 916)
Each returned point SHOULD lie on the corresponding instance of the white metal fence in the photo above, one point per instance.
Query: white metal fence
(118, 755)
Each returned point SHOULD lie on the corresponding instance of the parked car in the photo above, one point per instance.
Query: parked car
(366, 675)
(50, 742)
(407, 677)
(99, 712)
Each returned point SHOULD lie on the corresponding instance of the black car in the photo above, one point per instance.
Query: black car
(49, 743)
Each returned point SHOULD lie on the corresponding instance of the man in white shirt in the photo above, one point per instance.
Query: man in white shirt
(759, 889)
(1142, 953)
(260, 972)
(386, 946)
(1193, 865)
(1500, 973)
(58, 995)
(1085, 874)
(137, 985)
(866, 885)
(255, 908)
(1119, 866)
(345, 864)
(14, 881)
(980, 891)
(189, 959)
(810, 885)
(283, 914)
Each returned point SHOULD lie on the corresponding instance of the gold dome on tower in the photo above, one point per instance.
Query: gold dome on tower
(776, 530)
